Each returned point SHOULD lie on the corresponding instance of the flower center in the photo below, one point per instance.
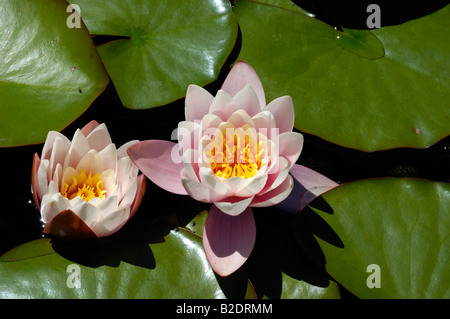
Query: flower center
(238, 154)
(85, 186)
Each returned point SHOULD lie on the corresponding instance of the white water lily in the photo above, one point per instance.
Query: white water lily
(85, 188)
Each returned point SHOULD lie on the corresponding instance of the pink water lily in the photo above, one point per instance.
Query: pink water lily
(85, 188)
(233, 151)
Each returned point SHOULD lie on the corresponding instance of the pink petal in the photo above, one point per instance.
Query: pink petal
(88, 128)
(290, 146)
(240, 75)
(282, 109)
(34, 182)
(247, 100)
(141, 185)
(99, 138)
(48, 145)
(233, 206)
(223, 105)
(308, 185)
(197, 103)
(276, 195)
(154, 159)
(228, 240)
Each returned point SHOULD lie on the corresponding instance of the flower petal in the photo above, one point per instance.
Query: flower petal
(228, 240)
(112, 223)
(52, 205)
(240, 75)
(247, 100)
(276, 195)
(78, 148)
(99, 138)
(34, 180)
(198, 191)
(88, 128)
(282, 109)
(141, 185)
(49, 141)
(308, 184)
(67, 225)
(154, 159)
(290, 146)
(233, 206)
(223, 105)
(90, 162)
(88, 213)
(197, 103)
(187, 135)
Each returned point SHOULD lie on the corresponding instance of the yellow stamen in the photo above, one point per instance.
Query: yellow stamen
(235, 155)
(87, 187)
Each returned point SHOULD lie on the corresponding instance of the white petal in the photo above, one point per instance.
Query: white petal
(199, 191)
(233, 208)
(112, 223)
(99, 138)
(109, 157)
(90, 162)
(241, 118)
(59, 153)
(77, 150)
(127, 200)
(122, 151)
(208, 179)
(42, 178)
(88, 213)
(52, 205)
(276, 195)
(49, 141)
(108, 205)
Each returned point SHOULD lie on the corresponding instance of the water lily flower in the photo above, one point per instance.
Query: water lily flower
(85, 188)
(236, 153)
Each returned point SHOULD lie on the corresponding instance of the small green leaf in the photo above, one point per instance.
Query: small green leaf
(49, 73)
(167, 46)
(383, 238)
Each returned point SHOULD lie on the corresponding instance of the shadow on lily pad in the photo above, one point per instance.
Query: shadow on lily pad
(278, 251)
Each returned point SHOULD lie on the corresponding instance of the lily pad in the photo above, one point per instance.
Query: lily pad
(173, 268)
(50, 71)
(383, 238)
(164, 45)
(363, 89)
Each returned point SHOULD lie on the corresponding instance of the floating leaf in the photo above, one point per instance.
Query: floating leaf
(399, 225)
(367, 90)
(174, 268)
(49, 72)
(164, 45)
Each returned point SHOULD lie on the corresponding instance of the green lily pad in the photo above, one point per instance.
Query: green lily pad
(165, 45)
(364, 89)
(383, 238)
(173, 268)
(49, 72)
